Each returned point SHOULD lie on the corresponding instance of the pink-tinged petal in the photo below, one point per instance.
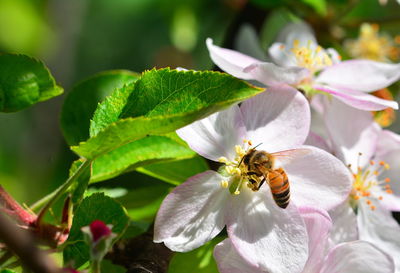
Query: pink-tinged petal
(318, 141)
(393, 159)
(358, 99)
(216, 135)
(230, 61)
(379, 228)
(317, 178)
(270, 74)
(389, 201)
(388, 141)
(318, 224)
(229, 261)
(265, 235)
(193, 213)
(357, 257)
(360, 75)
(352, 132)
(344, 227)
(278, 118)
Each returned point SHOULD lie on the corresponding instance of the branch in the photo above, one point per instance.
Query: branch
(23, 245)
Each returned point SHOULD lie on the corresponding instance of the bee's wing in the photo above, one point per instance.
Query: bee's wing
(287, 156)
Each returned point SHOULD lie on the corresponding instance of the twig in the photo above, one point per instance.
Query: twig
(22, 244)
(62, 189)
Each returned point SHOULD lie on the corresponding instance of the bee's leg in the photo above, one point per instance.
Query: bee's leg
(261, 183)
(251, 173)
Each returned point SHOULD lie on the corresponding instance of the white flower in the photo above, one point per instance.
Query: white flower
(303, 64)
(351, 257)
(267, 236)
(373, 156)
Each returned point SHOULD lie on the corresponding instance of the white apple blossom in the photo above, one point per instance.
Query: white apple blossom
(350, 257)
(268, 237)
(300, 62)
(373, 156)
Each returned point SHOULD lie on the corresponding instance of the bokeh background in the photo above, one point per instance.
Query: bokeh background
(78, 38)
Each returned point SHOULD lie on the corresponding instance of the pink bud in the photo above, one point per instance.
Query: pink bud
(99, 229)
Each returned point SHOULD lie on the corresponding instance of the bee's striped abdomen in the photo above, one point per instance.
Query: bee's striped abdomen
(280, 188)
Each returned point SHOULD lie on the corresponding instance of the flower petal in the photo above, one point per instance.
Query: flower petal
(278, 118)
(316, 140)
(265, 235)
(216, 135)
(360, 75)
(358, 99)
(193, 213)
(270, 74)
(352, 132)
(388, 141)
(229, 261)
(299, 31)
(248, 42)
(230, 61)
(344, 227)
(357, 257)
(317, 178)
(379, 228)
(318, 224)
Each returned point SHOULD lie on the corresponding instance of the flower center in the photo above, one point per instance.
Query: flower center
(373, 45)
(237, 172)
(312, 57)
(366, 181)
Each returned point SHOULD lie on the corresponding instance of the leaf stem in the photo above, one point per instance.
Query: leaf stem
(53, 197)
(95, 266)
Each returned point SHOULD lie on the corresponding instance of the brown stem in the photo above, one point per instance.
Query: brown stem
(12, 208)
(22, 244)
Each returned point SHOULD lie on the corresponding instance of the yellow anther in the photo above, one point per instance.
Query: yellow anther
(318, 50)
(376, 173)
(387, 166)
(222, 159)
(237, 171)
(239, 150)
(371, 162)
(237, 192)
(296, 43)
(229, 169)
(224, 184)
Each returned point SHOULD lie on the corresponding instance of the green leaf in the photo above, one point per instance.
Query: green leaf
(7, 271)
(24, 81)
(138, 153)
(80, 184)
(176, 172)
(318, 5)
(80, 104)
(95, 207)
(160, 102)
(108, 266)
(200, 260)
(142, 203)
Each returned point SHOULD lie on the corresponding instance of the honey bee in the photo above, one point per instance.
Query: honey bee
(261, 168)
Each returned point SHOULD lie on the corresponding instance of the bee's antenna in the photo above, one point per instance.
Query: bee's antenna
(257, 145)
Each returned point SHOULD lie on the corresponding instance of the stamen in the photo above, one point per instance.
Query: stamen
(222, 159)
(387, 179)
(224, 184)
